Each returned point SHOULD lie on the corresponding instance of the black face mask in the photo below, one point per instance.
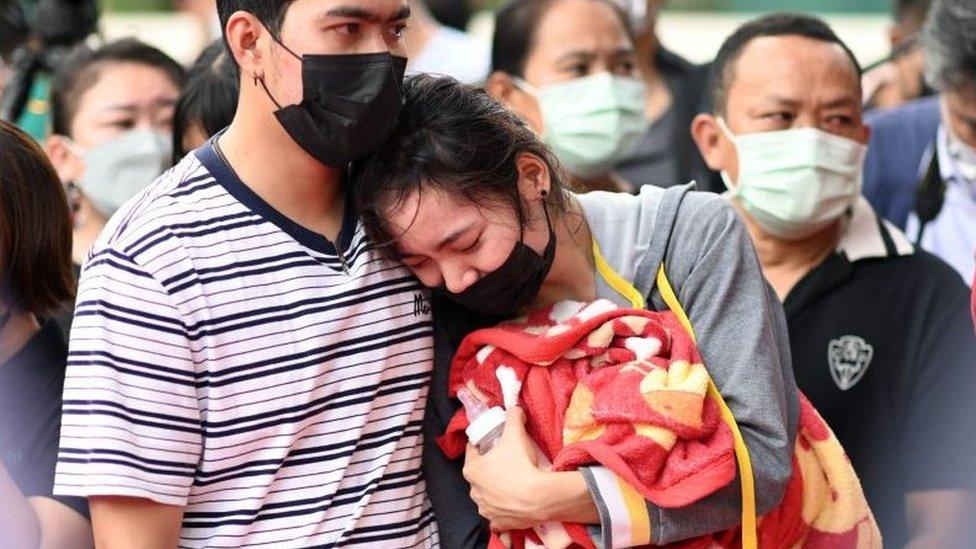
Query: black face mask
(509, 288)
(350, 105)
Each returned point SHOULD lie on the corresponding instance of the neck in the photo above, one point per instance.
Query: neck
(571, 275)
(786, 262)
(272, 165)
(423, 26)
(16, 333)
(87, 224)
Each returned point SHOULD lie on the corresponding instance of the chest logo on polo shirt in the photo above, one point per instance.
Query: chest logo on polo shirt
(849, 357)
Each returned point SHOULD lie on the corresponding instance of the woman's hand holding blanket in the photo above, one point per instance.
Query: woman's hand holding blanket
(513, 493)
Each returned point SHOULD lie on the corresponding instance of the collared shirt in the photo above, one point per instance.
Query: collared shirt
(952, 234)
(884, 347)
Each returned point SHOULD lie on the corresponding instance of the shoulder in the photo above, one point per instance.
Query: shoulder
(923, 110)
(176, 198)
(601, 207)
(39, 365)
(921, 116)
(923, 276)
(701, 202)
(709, 215)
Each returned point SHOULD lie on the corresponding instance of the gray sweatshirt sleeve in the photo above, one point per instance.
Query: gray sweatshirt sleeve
(742, 337)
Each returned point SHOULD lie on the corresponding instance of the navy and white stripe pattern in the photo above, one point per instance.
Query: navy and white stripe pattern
(227, 360)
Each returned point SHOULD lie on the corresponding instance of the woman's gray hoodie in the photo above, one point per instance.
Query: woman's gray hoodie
(742, 337)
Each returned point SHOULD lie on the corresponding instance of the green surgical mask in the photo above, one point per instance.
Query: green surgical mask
(795, 182)
(591, 122)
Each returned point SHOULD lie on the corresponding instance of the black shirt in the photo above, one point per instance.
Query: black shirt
(31, 384)
(884, 348)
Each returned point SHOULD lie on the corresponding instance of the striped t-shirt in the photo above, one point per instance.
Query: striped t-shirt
(227, 360)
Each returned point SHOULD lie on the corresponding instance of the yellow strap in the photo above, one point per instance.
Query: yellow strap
(627, 290)
(615, 281)
(749, 540)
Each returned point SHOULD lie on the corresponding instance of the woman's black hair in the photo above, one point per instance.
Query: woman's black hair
(209, 97)
(515, 31)
(455, 139)
(81, 69)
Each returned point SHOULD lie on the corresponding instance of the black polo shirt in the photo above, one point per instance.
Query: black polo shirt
(884, 348)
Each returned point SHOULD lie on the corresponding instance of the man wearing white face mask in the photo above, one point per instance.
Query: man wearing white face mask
(880, 333)
(921, 170)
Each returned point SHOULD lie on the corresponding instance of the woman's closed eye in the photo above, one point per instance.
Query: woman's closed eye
(414, 261)
(473, 245)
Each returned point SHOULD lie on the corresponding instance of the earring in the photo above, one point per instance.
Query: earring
(543, 193)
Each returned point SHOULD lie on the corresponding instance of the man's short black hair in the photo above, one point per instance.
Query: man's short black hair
(777, 24)
(271, 14)
(80, 70)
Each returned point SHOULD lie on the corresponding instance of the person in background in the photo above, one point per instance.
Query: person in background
(677, 91)
(35, 279)
(568, 68)
(112, 121)
(208, 100)
(43, 32)
(899, 77)
(205, 12)
(880, 333)
(452, 13)
(920, 171)
(434, 48)
(13, 32)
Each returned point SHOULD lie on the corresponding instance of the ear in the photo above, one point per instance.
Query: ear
(67, 163)
(501, 87)
(865, 136)
(243, 33)
(534, 178)
(895, 35)
(711, 141)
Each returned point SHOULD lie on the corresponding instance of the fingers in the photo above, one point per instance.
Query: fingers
(471, 460)
(473, 389)
(515, 416)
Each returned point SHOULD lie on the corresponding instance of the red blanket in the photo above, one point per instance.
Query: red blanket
(626, 389)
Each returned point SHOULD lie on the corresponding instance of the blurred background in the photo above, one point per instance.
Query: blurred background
(691, 28)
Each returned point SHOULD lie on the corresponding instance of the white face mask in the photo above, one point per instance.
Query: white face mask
(118, 169)
(591, 122)
(795, 182)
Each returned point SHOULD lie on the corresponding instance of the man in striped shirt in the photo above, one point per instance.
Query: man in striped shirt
(244, 370)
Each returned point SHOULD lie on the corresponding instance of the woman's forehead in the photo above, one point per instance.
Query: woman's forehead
(425, 214)
(427, 221)
(579, 23)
